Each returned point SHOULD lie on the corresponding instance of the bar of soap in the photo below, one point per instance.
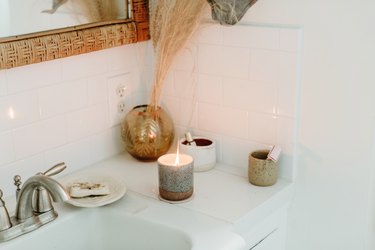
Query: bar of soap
(85, 189)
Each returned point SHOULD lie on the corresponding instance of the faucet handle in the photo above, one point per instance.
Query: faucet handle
(4, 215)
(56, 169)
(17, 183)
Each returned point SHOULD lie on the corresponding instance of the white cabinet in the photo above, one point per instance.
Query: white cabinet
(273, 241)
(267, 234)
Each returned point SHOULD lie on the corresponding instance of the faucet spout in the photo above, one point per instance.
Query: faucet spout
(24, 209)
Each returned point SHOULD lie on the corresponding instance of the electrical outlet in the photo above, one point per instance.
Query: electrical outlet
(121, 107)
(121, 90)
(120, 98)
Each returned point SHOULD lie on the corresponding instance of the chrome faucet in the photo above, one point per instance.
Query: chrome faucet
(24, 208)
(26, 217)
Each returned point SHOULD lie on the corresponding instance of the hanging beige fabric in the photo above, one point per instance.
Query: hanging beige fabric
(229, 11)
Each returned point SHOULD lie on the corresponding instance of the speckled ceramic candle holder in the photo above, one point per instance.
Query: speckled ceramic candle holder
(175, 181)
(262, 171)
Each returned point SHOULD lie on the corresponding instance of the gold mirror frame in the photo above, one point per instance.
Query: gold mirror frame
(49, 45)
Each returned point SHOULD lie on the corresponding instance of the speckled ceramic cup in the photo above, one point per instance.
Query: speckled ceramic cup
(175, 181)
(262, 171)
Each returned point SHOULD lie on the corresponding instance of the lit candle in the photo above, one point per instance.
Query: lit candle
(175, 176)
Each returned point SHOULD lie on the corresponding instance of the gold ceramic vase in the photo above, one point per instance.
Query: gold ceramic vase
(147, 133)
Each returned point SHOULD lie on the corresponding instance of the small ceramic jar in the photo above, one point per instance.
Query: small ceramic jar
(203, 153)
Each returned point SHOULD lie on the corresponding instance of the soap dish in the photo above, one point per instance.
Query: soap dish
(117, 188)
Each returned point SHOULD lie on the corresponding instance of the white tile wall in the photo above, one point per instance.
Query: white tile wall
(242, 91)
(237, 85)
(63, 110)
(18, 110)
(34, 76)
(3, 84)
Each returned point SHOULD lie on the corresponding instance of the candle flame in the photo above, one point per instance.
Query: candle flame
(177, 162)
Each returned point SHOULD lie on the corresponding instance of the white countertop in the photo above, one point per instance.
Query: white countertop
(221, 201)
(218, 193)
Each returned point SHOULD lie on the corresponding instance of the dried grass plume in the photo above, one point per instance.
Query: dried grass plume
(172, 23)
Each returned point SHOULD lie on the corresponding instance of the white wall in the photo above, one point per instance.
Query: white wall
(51, 109)
(65, 110)
(335, 156)
(239, 86)
(335, 148)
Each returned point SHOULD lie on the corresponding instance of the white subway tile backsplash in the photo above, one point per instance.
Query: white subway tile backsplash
(236, 151)
(87, 121)
(97, 90)
(210, 33)
(262, 128)
(237, 93)
(224, 61)
(188, 113)
(265, 66)
(222, 120)
(287, 85)
(209, 117)
(6, 148)
(77, 125)
(105, 144)
(243, 94)
(61, 98)
(172, 106)
(97, 118)
(60, 111)
(3, 83)
(285, 134)
(185, 83)
(145, 54)
(209, 59)
(209, 89)
(122, 58)
(236, 84)
(76, 67)
(288, 69)
(34, 76)
(18, 110)
(252, 37)
(75, 155)
(236, 62)
(263, 98)
(286, 101)
(290, 39)
(39, 136)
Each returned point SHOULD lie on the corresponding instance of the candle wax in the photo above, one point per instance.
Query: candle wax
(170, 160)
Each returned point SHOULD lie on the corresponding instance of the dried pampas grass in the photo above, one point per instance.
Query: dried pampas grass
(172, 23)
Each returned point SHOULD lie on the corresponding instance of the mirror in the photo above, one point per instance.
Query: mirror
(29, 16)
(74, 27)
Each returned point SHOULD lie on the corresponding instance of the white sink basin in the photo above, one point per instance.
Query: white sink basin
(99, 229)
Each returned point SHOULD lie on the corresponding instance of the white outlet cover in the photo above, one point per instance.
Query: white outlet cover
(119, 81)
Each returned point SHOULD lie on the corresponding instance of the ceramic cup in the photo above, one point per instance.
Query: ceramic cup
(204, 153)
(262, 171)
